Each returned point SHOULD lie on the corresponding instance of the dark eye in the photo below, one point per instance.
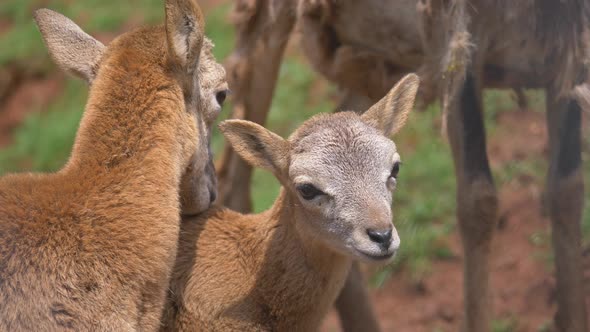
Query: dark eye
(308, 191)
(395, 169)
(220, 96)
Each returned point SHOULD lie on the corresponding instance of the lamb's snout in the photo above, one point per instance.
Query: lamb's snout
(381, 237)
(385, 241)
(376, 242)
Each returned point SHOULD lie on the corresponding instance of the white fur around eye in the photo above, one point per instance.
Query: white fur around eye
(391, 183)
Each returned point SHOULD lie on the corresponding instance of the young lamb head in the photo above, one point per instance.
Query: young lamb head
(173, 63)
(339, 171)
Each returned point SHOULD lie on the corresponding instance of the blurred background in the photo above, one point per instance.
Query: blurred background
(40, 109)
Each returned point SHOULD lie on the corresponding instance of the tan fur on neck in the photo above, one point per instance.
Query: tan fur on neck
(252, 273)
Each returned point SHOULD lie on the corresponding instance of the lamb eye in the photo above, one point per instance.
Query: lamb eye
(308, 191)
(220, 96)
(395, 169)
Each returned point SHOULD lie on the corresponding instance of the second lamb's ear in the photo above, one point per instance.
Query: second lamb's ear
(390, 113)
(72, 49)
(257, 145)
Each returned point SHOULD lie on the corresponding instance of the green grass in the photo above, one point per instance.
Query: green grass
(513, 169)
(509, 324)
(23, 41)
(495, 102)
(44, 141)
(219, 31)
(546, 327)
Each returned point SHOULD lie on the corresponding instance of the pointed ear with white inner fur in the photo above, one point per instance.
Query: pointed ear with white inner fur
(390, 113)
(185, 32)
(257, 145)
(71, 48)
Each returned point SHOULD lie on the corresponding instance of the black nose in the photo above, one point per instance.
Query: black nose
(212, 196)
(383, 238)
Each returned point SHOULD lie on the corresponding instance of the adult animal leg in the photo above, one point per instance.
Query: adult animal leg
(564, 202)
(477, 201)
(263, 29)
(354, 305)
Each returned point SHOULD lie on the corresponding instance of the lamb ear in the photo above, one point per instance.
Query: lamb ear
(72, 49)
(257, 145)
(390, 113)
(185, 32)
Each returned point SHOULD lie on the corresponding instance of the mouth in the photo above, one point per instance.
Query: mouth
(196, 209)
(377, 258)
(191, 213)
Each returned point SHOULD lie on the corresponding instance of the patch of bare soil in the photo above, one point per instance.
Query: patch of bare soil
(525, 135)
(5, 26)
(522, 280)
(24, 96)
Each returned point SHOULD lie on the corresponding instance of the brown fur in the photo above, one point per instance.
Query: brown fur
(249, 273)
(91, 247)
(363, 46)
(425, 35)
(281, 270)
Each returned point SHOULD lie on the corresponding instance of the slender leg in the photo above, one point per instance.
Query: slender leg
(565, 200)
(353, 304)
(263, 28)
(477, 201)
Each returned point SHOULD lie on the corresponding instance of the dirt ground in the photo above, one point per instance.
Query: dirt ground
(24, 94)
